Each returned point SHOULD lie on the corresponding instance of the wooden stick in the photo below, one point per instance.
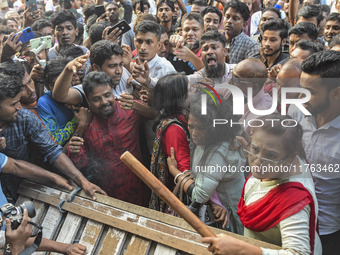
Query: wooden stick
(165, 194)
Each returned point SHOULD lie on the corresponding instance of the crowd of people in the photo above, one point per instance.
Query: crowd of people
(81, 82)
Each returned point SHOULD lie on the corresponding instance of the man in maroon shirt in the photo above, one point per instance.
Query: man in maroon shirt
(111, 132)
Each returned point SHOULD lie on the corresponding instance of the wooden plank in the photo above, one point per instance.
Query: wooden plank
(40, 209)
(113, 242)
(90, 234)
(164, 250)
(138, 245)
(139, 224)
(69, 229)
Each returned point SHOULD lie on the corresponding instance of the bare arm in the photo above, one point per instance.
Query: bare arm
(61, 90)
(293, 9)
(53, 246)
(29, 171)
(182, 6)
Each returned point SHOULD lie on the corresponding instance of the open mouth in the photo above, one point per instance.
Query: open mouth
(211, 61)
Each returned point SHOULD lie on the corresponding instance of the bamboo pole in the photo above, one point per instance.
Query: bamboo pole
(165, 194)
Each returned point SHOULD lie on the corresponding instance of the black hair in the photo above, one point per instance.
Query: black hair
(4, 21)
(91, 21)
(215, 36)
(239, 7)
(305, 28)
(334, 16)
(72, 51)
(277, 25)
(169, 96)
(335, 41)
(79, 38)
(95, 79)
(104, 50)
(148, 26)
(212, 9)
(40, 24)
(88, 11)
(310, 11)
(219, 133)
(62, 16)
(96, 30)
(66, 4)
(293, 143)
(168, 3)
(54, 67)
(272, 9)
(135, 2)
(5, 30)
(193, 16)
(326, 64)
(201, 3)
(312, 47)
(325, 8)
(11, 76)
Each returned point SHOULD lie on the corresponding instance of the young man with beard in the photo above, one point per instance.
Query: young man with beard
(212, 18)
(111, 132)
(165, 9)
(240, 45)
(332, 27)
(186, 46)
(112, 11)
(274, 36)
(65, 30)
(213, 56)
(321, 134)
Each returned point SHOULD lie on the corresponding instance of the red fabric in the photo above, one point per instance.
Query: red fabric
(279, 203)
(105, 141)
(174, 136)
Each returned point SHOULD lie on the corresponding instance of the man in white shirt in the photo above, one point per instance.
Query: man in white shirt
(321, 135)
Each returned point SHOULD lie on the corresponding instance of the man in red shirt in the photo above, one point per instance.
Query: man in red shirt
(111, 132)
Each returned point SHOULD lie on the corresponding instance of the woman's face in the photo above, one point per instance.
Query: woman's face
(198, 131)
(267, 152)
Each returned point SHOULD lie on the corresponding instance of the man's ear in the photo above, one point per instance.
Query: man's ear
(77, 31)
(245, 23)
(335, 93)
(225, 52)
(284, 41)
(96, 68)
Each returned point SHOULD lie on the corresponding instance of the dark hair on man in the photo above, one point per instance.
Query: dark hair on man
(168, 3)
(335, 41)
(193, 16)
(91, 21)
(4, 21)
(292, 133)
(135, 2)
(272, 9)
(62, 16)
(219, 133)
(5, 30)
(96, 31)
(104, 50)
(40, 24)
(11, 76)
(79, 38)
(88, 10)
(310, 11)
(95, 79)
(326, 64)
(305, 28)
(239, 7)
(325, 8)
(169, 96)
(312, 47)
(48, 14)
(148, 26)
(201, 3)
(212, 9)
(66, 4)
(72, 51)
(109, 3)
(54, 67)
(213, 35)
(277, 25)
(334, 16)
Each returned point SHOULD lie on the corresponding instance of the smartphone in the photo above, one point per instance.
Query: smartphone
(99, 10)
(141, 6)
(123, 26)
(27, 34)
(30, 3)
(37, 42)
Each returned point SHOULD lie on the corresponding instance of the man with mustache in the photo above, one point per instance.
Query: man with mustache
(111, 132)
(165, 10)
(274, 36)
(212, 18)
